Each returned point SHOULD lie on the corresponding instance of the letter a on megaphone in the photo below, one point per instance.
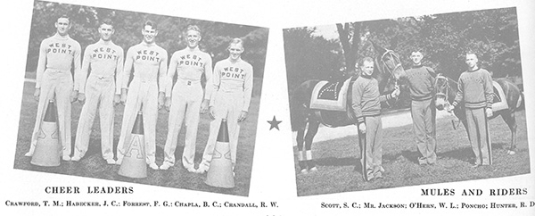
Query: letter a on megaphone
(48, 149)
(134, 165)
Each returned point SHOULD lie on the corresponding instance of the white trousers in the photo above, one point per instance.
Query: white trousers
(55, 84)
(185, 104)
(99, 92)
(226, 106)
(142, 95)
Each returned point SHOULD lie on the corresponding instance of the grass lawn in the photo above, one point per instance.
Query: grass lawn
(337, 159)
(94, 166)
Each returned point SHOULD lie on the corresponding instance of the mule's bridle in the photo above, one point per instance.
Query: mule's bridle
(395, 58)
(445, 86)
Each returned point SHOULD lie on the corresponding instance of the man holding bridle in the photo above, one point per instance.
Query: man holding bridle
(366, 104)
(421, 80)
(475, 90)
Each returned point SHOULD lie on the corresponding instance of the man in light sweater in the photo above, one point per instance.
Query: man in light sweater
(232, 87)
(475, 90)
(366, 104)
(57, 54)
(150, 67)
(102, 88)
(421, 80)
(185, 101)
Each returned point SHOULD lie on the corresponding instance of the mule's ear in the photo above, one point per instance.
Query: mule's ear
(378, 48)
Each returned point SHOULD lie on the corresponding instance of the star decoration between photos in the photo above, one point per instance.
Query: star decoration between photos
(274, 123)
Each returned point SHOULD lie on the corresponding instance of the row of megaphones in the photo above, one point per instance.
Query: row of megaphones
(48, 151)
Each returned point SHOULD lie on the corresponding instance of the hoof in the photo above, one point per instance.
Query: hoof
(313, 169)
(511, 152)
(304, 171)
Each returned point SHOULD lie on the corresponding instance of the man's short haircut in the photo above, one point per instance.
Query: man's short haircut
(194, 28)
(106, 21)
(64, 16)
(366, 59)
(420, 50)
(151, 24)
(471, 52)
(236, 41)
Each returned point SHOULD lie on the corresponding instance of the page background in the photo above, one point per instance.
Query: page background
(273, 177)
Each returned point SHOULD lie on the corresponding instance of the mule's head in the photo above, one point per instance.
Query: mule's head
(441, 92)
(388, 66)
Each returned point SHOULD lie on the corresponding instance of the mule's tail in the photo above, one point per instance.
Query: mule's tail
(299, 102)
(520, 103)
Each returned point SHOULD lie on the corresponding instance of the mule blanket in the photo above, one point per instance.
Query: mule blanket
(330, 95)
(500, 101)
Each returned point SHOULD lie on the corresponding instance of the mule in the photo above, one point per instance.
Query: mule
(306, 121)
(446, 89)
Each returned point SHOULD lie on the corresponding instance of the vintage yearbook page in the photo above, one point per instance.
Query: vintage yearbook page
(268, 107)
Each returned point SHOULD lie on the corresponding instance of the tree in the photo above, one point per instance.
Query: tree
(309, 57)
(127, 24)
(492, 34)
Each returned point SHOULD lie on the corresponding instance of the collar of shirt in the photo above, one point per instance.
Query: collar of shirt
(147, 44)
(417, 66)
(105, 42)
(470, 70)
(66, 37)
(196, 49)
(365, 76)
(234, 62)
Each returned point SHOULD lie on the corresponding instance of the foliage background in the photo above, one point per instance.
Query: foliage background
(127, 24)
(444, 39)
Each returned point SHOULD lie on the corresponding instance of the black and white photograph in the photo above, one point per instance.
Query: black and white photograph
(143, 98)
(406, 101)
(268, 108)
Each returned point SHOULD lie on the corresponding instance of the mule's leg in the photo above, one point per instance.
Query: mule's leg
(509, 118)
(300, 149)
(311, 132)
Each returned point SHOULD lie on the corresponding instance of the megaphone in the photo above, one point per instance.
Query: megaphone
(134, 164)
(220, 173)
(48, 149)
